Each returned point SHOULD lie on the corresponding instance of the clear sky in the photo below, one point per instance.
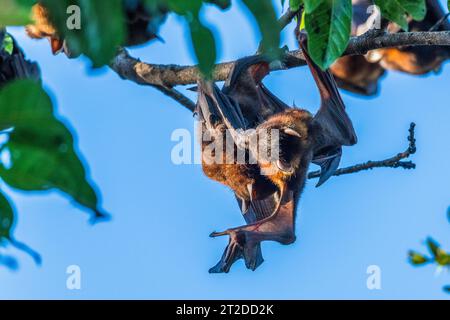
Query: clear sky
(157, 244)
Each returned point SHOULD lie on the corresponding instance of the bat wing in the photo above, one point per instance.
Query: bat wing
(215, 107)
(252, 254)
(434, 13)
(334, 128)
(245, 86)
(258, 210)
(243, 103)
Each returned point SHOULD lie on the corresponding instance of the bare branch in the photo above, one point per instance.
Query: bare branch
(172, 75)
(286, 18)
(370, 41)
(132, 69)
(165, 77)
(177, 96)
(393, 162)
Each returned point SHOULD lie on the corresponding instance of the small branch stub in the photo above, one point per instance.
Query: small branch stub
(393, 162)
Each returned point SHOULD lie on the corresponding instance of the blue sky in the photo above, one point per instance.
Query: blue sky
(157, 245)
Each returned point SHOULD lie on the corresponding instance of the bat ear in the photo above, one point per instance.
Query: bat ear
(291, 132)
(57, 45)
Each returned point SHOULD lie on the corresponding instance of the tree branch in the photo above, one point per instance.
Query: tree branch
(177, 96)
(393, 162)
(171, 75)
(286, 18)
(134, 70)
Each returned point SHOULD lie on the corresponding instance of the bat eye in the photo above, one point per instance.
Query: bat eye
(283, 166)
(292, 132)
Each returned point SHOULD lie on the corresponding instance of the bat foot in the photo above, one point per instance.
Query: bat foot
(238, 247)
(245, 241)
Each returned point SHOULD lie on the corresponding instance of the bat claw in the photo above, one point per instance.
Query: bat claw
(219, 234)
(238, 247)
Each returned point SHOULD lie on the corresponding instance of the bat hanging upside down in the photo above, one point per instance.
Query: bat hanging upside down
(142, 25)
(362, 74)
(267, 189)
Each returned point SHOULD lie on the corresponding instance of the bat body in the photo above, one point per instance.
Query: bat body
(42, 28)
(142, 25)
(361, 74)
(268, 191)
(415, 59)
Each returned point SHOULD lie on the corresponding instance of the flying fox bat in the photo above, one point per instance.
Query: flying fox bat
(268, 201)
(355, 73)
(361, 74)
(142, 25)
(416, 60)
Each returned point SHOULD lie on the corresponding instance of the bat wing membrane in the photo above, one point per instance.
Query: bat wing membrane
(334, 128)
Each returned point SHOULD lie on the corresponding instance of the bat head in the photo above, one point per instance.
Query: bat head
(294, 142)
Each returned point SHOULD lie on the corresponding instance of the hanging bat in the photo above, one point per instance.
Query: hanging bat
(268, 201)
(361, 74)
(416, 60)
(142, 26)
(142, 23)
(355, 73)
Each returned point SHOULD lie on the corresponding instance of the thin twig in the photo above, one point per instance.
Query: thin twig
(440, 22)
(177, 96)
(286, 18)
(131, 69)
(393, 162)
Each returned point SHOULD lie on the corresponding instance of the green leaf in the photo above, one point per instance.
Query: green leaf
(183, 7)
(222, 4)
(7, 221)
(6, 217)
(443, 259)
(417, 259)
(311, 5)
(433, 246)
(102, 27)
(448, 4)
(440, 256)
(294, 5)
(397, 10)
(204, 46)
(447, 288)
(8, 44)
(265, 15)
(202, 38)
(15, 12)
(416, 8)
(328, 27)
(41, 147)
(302, 21)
